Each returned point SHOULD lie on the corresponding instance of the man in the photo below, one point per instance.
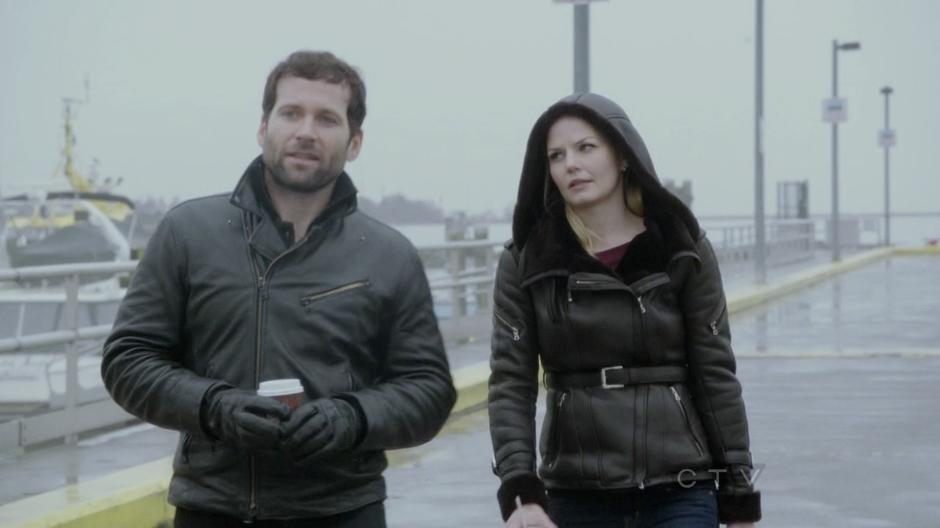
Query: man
(284, 278)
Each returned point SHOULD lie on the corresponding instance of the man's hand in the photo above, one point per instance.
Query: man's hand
(243, 419)
(529, 516)
(320, 428)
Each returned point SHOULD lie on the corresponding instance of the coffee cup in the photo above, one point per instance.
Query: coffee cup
(289, 391)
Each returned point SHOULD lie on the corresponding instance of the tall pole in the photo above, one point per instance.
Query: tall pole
(581, 48)
(887, 146)
(836, 254)
(759, 241)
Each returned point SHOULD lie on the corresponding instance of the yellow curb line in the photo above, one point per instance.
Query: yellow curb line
(745, 298)
(920, 250)
(133, 497)
(903, 353)
(136, 497)
(472, 386)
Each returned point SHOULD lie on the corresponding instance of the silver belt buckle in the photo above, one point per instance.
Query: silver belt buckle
(604, 384)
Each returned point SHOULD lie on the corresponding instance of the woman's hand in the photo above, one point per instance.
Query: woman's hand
(530, 516)
(741, 525)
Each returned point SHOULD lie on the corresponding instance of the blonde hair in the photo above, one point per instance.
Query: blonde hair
(633, 197)
(586, 237)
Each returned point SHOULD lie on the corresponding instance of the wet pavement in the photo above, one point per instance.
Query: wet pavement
(888, 307)
(841, 381)
(841, 443)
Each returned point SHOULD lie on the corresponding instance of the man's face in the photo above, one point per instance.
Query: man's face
(305, 141)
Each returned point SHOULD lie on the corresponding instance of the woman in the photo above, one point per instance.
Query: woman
(610, 283)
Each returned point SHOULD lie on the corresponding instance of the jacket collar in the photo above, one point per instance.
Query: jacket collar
(553, 249)
(263, 219)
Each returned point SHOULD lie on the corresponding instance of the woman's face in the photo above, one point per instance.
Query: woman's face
(582, 164)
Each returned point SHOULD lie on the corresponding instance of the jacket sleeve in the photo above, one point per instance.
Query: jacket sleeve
(715, 387)
(141, 363)
(415, 392)
(513, 389)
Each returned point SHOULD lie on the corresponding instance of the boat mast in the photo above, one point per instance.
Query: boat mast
(76, 180)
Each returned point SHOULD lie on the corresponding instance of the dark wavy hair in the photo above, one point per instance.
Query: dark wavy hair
(316, 66)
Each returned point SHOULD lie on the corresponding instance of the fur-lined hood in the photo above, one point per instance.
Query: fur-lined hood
(539, 219)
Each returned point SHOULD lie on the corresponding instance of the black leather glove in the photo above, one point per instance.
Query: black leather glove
(243, 419)
(320, 428)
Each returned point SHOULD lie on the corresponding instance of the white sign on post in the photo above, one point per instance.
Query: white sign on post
(834, 110)
(887, 137)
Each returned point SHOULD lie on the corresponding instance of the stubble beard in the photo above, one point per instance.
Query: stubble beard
(322, 177)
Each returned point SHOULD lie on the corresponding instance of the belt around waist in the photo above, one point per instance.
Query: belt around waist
(615, 377)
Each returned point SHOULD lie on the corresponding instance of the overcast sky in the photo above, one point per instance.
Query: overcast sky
(454, 87)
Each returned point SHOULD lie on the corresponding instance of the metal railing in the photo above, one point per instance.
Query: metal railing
(471, 269)
(786, 241)
(75, 417)
(470, 266)
(466, 286)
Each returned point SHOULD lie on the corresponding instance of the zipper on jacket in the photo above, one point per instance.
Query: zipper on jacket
(252, 475)
(515, 331)
(583, 282)
(586, 282)
(259, 323)
(554, 438)
(308, 299)
(685, 418)
(640, 450)
(713, 325)
(613, 284)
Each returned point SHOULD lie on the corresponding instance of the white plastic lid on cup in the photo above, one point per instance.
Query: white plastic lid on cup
(280, 387)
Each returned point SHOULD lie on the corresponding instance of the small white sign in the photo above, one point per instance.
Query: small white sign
(834, 110)
(887, 137)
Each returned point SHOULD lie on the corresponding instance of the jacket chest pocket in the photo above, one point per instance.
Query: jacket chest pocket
(610, 316)
(346, 313)
(661, 319)
(325, 294)
(648, 287)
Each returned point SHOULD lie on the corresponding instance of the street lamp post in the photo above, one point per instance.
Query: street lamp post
(582, 40)
(836, 47)
(887, 141)
(760, 262)
(582, 48)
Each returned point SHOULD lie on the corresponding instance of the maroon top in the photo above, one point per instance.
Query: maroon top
(611, 257)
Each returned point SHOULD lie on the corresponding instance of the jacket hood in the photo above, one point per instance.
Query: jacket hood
(538, 198)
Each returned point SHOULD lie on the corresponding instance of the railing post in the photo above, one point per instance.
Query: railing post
(21, 320)
(458, 293)
(71, 360)
(484, 293)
